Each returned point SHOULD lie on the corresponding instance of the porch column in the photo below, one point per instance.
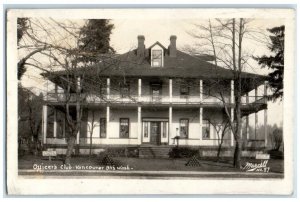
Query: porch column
(256, 116)
(45, 123)
(107, 121)
(139, 89)
(170, 125)
(200, 122)
(232, 109)
(107, 88)
(77, 137)
(170, 89)
(266, 115)
(55, 124)
(201, 90)
(139, 127)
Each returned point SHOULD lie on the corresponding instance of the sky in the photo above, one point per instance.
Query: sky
(124, 38)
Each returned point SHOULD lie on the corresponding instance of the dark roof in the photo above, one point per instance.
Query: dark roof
(181, 66)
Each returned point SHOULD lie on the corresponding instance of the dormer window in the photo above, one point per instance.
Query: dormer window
(157, 58)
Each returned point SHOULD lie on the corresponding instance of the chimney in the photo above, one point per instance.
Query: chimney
(141, 46)
(172, 46)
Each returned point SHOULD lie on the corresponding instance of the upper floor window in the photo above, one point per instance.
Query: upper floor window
(156, 91)
(125, 89)
(157, 58)
(103, 90)
(184, 89)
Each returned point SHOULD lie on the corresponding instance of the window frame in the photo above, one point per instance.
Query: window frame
(103, 128)
(187, 126)
(122, 87)
(208, 125)
(153, 59)
(128, 121)
(183, 94)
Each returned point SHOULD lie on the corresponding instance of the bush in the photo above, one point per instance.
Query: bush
(276, 139)
(121, 152)
(182, 152)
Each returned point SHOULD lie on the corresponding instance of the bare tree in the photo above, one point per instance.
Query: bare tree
(224, 40)
(79, 82)
(221, 130)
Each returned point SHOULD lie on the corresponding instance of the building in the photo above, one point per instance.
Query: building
(149, 96)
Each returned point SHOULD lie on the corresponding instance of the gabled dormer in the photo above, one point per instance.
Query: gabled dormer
(157, 52)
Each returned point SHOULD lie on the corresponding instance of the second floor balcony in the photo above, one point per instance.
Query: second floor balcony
(162, 91)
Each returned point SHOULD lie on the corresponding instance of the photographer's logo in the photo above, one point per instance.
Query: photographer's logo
(256, 167)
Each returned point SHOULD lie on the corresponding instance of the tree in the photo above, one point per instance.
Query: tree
(23, 24)
(223, 39)
(95, 39)
(275, 62)
(30, 118)
(69, 48)
(221, 130)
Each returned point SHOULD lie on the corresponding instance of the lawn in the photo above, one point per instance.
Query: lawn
(140, 164)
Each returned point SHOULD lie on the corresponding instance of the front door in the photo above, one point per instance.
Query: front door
(155, 133)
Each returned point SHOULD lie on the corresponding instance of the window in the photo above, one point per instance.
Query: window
(60, 119)
(164, 129)
(125, 89)
(184, 128)
(157, 58)
(102, 127)
(83, 124)
(50, 123)
(205, 129)
(103, 90)
(156, 92)
(124, 128)
(184, 89)
(146, 126)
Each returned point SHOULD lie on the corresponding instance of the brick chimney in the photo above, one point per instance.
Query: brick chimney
(141, 46)
(172, 46)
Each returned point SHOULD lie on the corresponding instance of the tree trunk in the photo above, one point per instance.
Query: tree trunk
(238, 95)
(71, 144)
(219, 151)
(91, 143)
(237, 154)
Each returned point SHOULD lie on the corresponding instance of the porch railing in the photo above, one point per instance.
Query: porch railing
(62, 97)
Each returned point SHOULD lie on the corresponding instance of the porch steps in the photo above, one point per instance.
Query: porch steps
(154, 151)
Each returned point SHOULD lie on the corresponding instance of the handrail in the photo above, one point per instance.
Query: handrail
(190, 99)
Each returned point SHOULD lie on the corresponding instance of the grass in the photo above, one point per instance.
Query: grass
(140, 164)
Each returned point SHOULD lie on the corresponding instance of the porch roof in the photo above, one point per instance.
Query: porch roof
(181, 66)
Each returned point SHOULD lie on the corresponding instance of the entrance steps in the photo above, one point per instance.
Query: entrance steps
(154, 151)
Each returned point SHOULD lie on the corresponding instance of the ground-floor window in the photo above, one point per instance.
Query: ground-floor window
(50, 122)
(84, 124)
(124, 127)
(60, 120)
(205, 129)
(102, 127)
(146, 126)
(184, 128)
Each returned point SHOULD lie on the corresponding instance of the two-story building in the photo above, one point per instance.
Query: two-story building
(150, 96)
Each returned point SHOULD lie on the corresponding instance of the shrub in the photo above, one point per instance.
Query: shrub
(121, 152)
(182, 152)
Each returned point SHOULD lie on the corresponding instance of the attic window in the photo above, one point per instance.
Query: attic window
(157, 58)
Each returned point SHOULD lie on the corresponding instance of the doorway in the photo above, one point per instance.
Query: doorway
(155, 132)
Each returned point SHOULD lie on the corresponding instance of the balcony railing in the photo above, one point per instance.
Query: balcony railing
(61, 97)
(253, 100)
